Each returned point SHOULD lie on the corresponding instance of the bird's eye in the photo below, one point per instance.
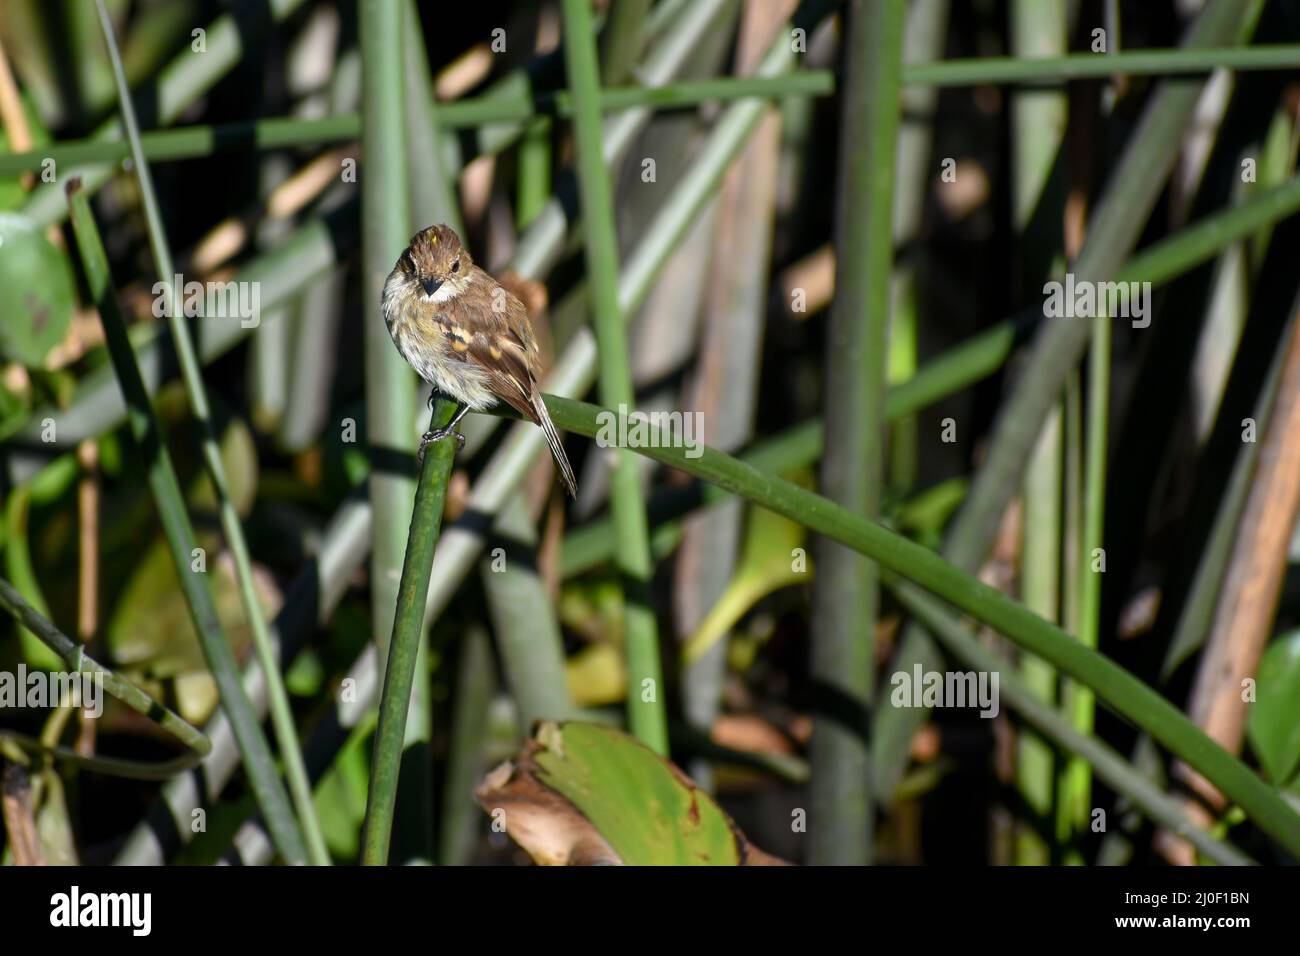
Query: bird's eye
(455, 266)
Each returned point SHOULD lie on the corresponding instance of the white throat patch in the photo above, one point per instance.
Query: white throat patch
(442, 293)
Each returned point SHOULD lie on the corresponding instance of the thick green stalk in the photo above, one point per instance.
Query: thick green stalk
(1072, 565)
(433, 162)
(1123, 693)
(846, 596)
(390, 396)
(534, 186)
(385, 231)
(282, 722)
(170, 502)
(647, 714)
(1039, 119)
(404, 646)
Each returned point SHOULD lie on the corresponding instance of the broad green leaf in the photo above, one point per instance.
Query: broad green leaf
(19, 570)
(36, 292)
(647, 810)
(1274, 725)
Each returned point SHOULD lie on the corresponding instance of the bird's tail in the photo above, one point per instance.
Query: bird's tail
(557, 447)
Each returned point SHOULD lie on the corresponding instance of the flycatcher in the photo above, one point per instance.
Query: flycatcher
(466, 335)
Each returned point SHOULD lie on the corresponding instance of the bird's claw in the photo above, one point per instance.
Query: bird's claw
(437, 435)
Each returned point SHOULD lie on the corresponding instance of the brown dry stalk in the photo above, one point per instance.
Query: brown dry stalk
(88, 540)
(13, 117)
(1243, 618)
(19, 816)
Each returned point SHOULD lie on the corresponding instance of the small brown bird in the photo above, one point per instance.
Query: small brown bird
(466, 335)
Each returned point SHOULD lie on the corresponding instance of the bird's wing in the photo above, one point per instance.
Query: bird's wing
(493, 341)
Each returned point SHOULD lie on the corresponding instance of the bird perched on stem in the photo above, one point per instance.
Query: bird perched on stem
(467, 336)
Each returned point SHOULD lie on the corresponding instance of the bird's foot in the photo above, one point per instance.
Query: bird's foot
(438, 434)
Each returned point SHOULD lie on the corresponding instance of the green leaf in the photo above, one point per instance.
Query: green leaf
(341, 792)
(53, 823)
(36, 292)
(1274, 725)
(14, 409)
(647, 810)
(773, 558)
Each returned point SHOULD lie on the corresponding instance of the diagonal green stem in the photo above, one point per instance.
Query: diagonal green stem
(282, 722)
(166, 489)
(1123, 693)
(74, 655)
(958, 368)
(1017, 692)
(499, 108)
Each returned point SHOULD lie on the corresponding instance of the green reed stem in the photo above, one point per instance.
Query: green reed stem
(282, 721)
(647, 714)
(497, 108)
(846, 593)
(166, 489)
(404, 645)
(74, 655)
(1123, 693)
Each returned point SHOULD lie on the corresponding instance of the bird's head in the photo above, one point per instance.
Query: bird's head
(436, 264)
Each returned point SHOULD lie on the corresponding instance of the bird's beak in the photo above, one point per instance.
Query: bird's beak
(430, 285)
